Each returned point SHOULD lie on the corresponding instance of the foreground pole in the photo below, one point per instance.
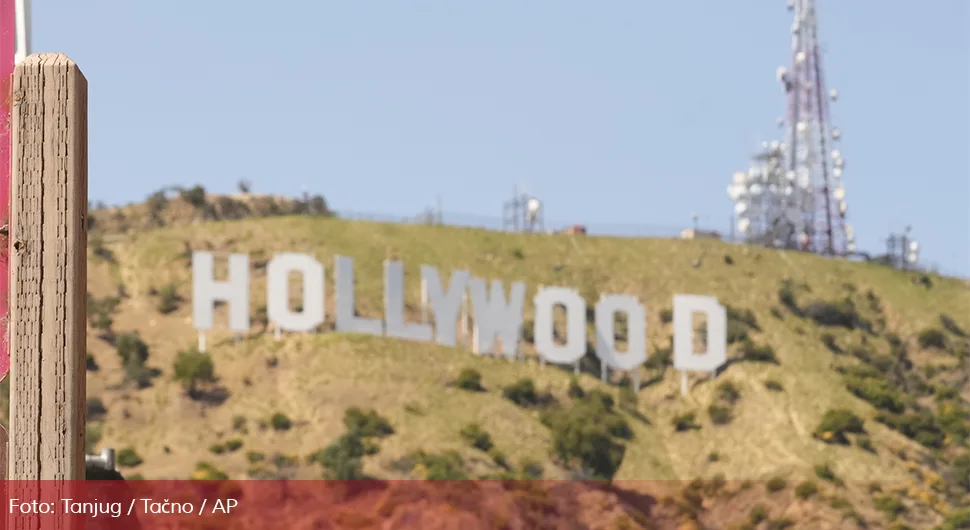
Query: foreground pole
(48, 271)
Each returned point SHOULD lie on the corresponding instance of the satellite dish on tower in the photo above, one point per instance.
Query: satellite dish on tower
(532, 208)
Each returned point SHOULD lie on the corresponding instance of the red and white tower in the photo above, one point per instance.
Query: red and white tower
(797, 199)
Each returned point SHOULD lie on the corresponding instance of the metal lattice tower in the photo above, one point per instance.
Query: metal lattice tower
(792, 196)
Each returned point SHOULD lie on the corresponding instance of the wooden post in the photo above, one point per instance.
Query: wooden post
(48, 270)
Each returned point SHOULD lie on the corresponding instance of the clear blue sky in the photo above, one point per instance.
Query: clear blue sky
(612, 112)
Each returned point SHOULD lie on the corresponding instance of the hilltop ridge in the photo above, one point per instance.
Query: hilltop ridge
(845, 398)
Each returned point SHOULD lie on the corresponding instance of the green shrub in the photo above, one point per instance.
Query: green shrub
(471, 380)
(95, 408)
(448, 465)
(774, 385)
(842, 314)
(194, 196)
(951, 325)
(758, 353)
(890, 506)
(728, 392)
(877, 392)
(90, 363)
(829, 341)
(719, 415)
(776, 484)
(666, 316)
(932, 338)
(522, 393)
(685, 422)
(206, 471)
(921, 427)
(758, 514)
(836, 424)
(475, 436)
(865, 443)
(575, 390)
(280, 422)
(786, 297)
(806, 490)
(234, 444)
(498, 457)
(131, 348)
(128, 457)
(193, 367)
(367, 424)
(217, 449)
(586, 436)
(531, 469)
(342, 459)
(255, 456)
(825, 472)
(168, 299)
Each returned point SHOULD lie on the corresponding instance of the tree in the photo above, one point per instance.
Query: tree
(193, 367)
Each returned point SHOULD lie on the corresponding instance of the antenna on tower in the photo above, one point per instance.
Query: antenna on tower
(792, 195)
(522, 213)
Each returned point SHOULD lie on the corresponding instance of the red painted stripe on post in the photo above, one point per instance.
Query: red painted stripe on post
(8, 46)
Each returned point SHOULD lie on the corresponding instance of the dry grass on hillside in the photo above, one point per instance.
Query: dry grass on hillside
(313, 379)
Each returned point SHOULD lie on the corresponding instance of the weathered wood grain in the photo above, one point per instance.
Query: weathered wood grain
(48, 270)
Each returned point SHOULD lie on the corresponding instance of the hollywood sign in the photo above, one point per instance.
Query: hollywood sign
(496, 313)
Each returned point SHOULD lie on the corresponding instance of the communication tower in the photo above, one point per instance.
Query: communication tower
(792, 195)
(523, 213)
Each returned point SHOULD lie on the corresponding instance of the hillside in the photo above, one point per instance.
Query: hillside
(810, 336)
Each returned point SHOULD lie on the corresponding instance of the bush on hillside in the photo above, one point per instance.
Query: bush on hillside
(474, 435)
(719, 415)
(471, 380)
(194, 196)
(131, 348)
(806, 490)
(448, 465)
(829, 341)
(842, 314)
(575, 390)
(836, 424)
(932, 338)
(343, 459)
(825, 472)
(685, 422)
(367, 424)
(774, 385)
(168, 299)
(758, 353)
(776, 484)
(193, 368)
(728, 392)
(280, 422)
(522, 393)
(878, 393)
(921, 427)
(587, 436)
(951, 325)
(95, 408)
(128, 457)
(786, 297)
